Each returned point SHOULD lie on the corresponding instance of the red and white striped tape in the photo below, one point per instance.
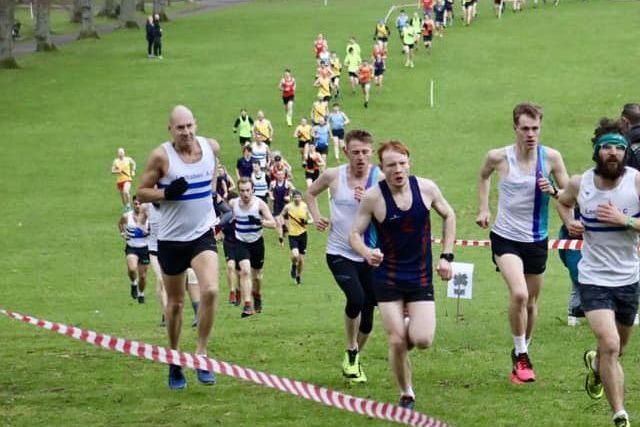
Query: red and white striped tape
(553, 243)
(327, 397)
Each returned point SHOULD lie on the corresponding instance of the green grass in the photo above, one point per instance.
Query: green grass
(60, 23)
(66, 113)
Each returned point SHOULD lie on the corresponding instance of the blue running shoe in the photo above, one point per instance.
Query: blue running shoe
(407, 402)
(177, 381)
(205, 377)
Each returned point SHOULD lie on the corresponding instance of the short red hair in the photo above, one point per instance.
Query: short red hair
(392, 145)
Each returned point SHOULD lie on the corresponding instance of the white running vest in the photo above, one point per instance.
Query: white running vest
(343, 207)
(259, 153)
(246, 232)
(522, 207)
(154, 223)
(609, 252)
(136, 233)
(260, 186)
(190, 216)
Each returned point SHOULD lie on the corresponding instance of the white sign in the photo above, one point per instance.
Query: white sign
(461, 283)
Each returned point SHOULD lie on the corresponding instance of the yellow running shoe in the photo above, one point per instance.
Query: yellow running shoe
(592, 383)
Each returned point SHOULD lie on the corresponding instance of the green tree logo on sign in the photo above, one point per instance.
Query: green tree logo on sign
(460, 281)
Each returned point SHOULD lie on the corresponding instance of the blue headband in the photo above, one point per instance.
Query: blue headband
(609, 139)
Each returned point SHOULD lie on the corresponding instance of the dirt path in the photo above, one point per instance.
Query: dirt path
(29, 46)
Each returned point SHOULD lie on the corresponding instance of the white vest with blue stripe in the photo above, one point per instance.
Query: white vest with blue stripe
(522, 207)
(246, 232)
(609, 252)
(190, 216)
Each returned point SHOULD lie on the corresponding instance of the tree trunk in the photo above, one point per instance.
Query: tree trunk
(140, 5)
(158, 9)
(76, 11)
(43, 26)
(7, 17)
(128, 14)
(88, 29)
(108, 9)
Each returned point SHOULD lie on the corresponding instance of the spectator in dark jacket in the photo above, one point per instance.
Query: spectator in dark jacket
(631, 118)
(149, 29)
(157, 37)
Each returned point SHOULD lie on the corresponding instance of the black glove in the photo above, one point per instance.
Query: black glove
(254, 220)
(175, 189)
(303, 222)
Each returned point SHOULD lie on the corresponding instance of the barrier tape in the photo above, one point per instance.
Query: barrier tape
(327, 397)
(553, 243)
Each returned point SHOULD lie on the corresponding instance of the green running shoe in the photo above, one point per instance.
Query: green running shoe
(592, 383)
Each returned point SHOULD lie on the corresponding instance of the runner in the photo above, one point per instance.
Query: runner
(312, 165)
(251, 215)
(336, 69)
(608, 196)
(379, 68)
(346, 185)
(125, 168)
(288, 87)
(304, 134)
(134, 229)
(259, 182)
(185, 236)
(279, 192)
(262, 129)
(352, 61)
(381, 33)
(400, 208)
(519, 234)
(243, 126)
(337, 122)
(365, 72)
(427, 33)
(297, 215)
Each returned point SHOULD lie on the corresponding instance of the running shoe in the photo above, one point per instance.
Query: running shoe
(293, 271)
(522, 367)
(232, 297)
(194, 322)
(351, 364)
(622, 421)
(246, 311)
(205, 377)
(257, 303)
(177, 381)
(407, 402)
(592, 383)
(298, 280)
(360, 378)
(134, 291)
(140, 299)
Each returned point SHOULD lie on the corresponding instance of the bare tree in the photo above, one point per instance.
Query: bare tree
(128, 14)
(158, 9)
(108, 9)
(7, 18)
(88, 29)
(76, 11)
(43, 26)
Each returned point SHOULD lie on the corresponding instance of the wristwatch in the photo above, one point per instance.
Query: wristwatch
(447, 256)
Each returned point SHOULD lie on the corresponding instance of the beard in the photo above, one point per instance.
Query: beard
(608, 169)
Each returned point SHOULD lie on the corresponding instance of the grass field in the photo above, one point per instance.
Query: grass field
(65, 114)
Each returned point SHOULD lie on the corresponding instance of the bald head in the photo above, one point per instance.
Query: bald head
(120, 153)
(182, 124)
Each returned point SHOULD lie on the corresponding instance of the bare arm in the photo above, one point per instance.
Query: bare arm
(267, 218)
(566, 202)
(363, 218)
(150, 177)
(311, 196)
(133, 166)
(484, 182)
(559, 172)
(442, 207)
(114, 167)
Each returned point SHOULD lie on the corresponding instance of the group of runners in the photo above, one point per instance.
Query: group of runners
(379, 244)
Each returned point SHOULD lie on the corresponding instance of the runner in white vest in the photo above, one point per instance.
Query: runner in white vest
(134, 229)
(251, 214)
(347, 184)
(179, 176)
(609, 200)
(519, 235)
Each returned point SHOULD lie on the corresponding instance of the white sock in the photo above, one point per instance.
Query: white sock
(134, 283)
(621, 414)
(408, 392)
(140, 294)
(520, 343)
